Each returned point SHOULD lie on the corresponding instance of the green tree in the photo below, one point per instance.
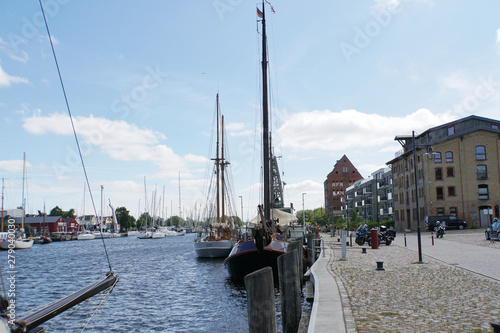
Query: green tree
(56, 211)
(124, 219)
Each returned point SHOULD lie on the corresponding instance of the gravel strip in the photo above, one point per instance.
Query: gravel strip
(412, 297)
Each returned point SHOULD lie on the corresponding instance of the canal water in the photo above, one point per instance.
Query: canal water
(163, 286)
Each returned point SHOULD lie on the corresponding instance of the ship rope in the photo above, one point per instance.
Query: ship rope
(73, 126)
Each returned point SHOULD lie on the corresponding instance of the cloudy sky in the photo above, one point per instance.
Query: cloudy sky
(141, 80)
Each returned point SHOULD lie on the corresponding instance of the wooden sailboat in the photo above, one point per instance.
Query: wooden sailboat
(216, 241)
(267, 242)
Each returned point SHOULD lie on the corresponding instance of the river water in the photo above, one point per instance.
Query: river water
(163, 286)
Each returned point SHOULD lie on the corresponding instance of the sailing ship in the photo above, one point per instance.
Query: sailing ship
(267, 242)
(216, 240)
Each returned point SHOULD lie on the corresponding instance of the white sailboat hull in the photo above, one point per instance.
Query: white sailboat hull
(16, 244)
(213, 249)
(99, 235)
(86, 236)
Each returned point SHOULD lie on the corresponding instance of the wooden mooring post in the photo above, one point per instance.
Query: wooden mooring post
(290, 291)
(260, 301)
(297, 246)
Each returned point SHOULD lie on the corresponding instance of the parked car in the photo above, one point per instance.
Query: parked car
(493, 231)
(450, 220)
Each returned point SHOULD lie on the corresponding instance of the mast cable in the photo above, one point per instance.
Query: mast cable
(73, 126)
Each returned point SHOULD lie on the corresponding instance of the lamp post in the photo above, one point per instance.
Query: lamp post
(419, 237)
(241, 199)
(303, 211)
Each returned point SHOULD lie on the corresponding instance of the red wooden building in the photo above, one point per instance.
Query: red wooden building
(50, 224)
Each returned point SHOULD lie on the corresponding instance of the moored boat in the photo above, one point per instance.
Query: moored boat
(267, 242)
(217, 239)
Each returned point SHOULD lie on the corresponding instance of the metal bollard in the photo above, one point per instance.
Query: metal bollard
(363, 250)
(496, 326)
(432, 236)
(380, 266)
(344, 248)
(405, 238)
(350, 240)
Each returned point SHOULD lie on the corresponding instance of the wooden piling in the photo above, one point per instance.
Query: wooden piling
(290, 291)
(297, 246)
(260, 301)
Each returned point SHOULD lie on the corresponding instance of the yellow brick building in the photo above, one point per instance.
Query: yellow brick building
(458, 173)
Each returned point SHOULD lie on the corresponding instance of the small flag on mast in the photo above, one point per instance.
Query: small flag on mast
(259, 13)
(272, 9)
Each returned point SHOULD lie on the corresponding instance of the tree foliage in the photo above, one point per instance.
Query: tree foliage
(57, 211)
(124, 219)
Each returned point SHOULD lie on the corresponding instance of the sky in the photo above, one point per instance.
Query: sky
(141, 78)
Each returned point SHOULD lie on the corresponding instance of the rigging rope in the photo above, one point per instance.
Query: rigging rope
(73, 126)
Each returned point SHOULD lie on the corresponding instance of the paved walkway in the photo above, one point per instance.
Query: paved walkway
(455, 290)
(475, 254)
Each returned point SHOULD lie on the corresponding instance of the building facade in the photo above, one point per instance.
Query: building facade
(343, 175)
(457, 167)
(370, 198)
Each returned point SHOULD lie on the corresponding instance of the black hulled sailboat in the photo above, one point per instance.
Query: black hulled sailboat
(267, 242)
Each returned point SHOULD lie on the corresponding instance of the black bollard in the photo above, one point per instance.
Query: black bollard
(380, 266)
(405, 239)
(496, 326)
(432, 236)
(363, 250)
(350, 241)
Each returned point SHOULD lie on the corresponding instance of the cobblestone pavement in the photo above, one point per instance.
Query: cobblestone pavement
(413, 297)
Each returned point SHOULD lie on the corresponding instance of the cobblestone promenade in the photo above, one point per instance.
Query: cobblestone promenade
(433, 296)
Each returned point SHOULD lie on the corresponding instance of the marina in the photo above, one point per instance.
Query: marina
(163, 286)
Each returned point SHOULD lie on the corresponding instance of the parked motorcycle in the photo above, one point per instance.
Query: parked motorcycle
(386, 235)
(362, 235)
(440, 229)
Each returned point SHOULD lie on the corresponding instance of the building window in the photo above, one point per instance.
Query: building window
(437, 157)
(451, 130)
(495, 126)
(440, 211)
(449, 156)
(451, 191)
(438, 173)
(482, 171)
(439, 193)
(450, 172)
(480, 153)
(453, 211)
(483, 192)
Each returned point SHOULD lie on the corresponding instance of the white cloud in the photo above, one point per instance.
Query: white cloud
(11, 52)
(351, 130)
(118, 139)
(6, 80)
(13, 166)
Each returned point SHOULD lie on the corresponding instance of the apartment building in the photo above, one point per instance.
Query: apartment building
(457, 167)
(371, 198)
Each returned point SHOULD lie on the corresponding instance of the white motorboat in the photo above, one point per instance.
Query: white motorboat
(158, 234)
(102, 234)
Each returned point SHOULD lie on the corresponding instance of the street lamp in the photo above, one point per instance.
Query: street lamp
(303, 211)
(419, 237)
(241, 199)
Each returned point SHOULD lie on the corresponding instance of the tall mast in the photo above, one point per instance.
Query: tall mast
(217, 162)
(24, 175)
(265, 121)
(222, 166)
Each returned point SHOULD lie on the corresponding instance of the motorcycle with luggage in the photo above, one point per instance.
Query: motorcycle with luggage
(363, 235)
(386, 235)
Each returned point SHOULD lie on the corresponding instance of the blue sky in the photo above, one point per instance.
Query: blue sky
(141, 79)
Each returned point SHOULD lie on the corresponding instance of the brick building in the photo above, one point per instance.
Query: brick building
(458, 173)
(343, 175)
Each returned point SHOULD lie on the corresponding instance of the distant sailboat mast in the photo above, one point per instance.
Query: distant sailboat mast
(265, 122)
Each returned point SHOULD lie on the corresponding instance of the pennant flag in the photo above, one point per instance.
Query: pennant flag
(259, 13)
(272, 9)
